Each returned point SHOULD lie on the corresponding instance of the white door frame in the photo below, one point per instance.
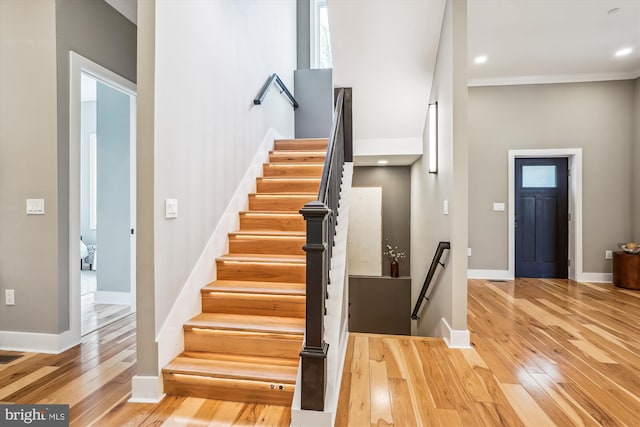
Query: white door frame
(575, 205)
(79, 64)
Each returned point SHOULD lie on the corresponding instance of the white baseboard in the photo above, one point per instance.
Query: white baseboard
(146, 389)
(596, 277)
(108, 297)
(188, 303)
(455, 338)
(36, 343)
(490, 274)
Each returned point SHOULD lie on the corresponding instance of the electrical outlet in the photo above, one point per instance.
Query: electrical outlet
(608, 254)
(9, 297)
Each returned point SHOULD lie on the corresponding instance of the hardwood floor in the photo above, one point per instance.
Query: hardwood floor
(544, 353)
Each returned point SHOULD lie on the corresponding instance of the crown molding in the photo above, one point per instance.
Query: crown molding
(561, 78)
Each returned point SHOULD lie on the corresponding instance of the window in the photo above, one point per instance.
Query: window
(320, 37)
(539, 176)
(93, 181)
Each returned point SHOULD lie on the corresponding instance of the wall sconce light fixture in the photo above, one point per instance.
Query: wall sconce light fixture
(433, 138)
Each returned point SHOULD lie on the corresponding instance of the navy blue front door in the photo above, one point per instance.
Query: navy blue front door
(541, 217)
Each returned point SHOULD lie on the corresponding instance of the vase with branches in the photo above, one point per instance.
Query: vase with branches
(394, 254)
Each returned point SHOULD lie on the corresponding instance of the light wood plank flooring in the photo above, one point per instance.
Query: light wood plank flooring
(545, 352)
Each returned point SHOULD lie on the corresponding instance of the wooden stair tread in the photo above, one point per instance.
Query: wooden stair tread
(273, 233)
(267, 259)
(285, 195)
(271, 288)
(299, 152)
(236, 367)
(281, 361)
(248, 323)
(271, 213)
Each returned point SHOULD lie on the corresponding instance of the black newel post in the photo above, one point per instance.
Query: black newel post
(314, 351)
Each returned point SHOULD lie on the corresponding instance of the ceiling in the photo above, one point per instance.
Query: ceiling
(525, 41)
(540, 41)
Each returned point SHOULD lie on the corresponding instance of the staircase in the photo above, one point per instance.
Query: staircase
(245, 344)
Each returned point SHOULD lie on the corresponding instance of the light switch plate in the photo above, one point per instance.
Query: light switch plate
(9, 297)
(468, 251)
(35, 206)
(445, 207)
(498, 207)
(608, 254)
(171, 208)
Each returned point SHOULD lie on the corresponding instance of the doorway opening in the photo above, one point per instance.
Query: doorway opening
(102, 202)
(574, 158)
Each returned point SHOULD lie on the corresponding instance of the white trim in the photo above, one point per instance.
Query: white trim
(36, 342)
(146, 389)
(188, 303)
(489, 274)
(566, 78)
(454, 338)
(77, 65)
(109, 297)
(575, 204)
(597, 277)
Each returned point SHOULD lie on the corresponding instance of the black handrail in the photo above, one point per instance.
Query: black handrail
(427, 283)
(265, 89)
(321, 218)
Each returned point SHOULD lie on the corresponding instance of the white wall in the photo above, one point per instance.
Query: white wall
(198, 122)
(429, 225)
(28, 169)
(385, 50)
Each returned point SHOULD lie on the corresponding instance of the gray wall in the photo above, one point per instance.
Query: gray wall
(303, 34)
(113, 198)
(597, 117)
(87, 127)
(28, 243)
(636, 162)
(313, 89)
(396, 208)
(96, 31)
(429, 225)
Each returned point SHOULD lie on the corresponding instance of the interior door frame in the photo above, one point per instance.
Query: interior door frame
(574, 156)
(78, 64)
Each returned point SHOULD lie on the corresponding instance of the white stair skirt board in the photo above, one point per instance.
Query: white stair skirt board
(146, 389)
(336, 334)
(36, 342)
(188, 303)
(455, 338)
(596, 277)
(107, 297)
(490, 274)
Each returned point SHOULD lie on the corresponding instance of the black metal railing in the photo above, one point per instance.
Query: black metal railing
(265, 89)
(427, 283)
(321, 218)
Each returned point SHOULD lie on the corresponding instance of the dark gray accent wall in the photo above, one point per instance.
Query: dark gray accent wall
(303, 30)
(96, 31)
(380, 305)
(113, 182)
(313, 90)
(396, 208)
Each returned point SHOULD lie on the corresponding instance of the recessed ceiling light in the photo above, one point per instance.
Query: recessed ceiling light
(614, 10)
(480, 59)
(383, 162)
(625, 51)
